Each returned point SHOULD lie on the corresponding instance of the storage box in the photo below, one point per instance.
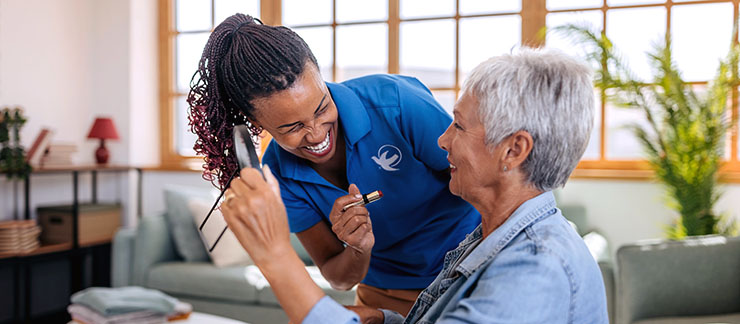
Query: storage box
(96, 224)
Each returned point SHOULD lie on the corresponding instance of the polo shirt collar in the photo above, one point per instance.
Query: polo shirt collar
(352, 112)
(355, 125)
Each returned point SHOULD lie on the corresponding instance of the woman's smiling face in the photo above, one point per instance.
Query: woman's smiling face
(302, 119)
(472, 163)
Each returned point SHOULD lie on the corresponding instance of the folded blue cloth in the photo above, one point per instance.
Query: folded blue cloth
(116, 301)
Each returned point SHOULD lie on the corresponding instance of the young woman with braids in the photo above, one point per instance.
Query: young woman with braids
(329, 141)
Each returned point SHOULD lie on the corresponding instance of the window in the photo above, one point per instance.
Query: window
(411, 37)
(185, 26)
(440, 41)
(701, 36)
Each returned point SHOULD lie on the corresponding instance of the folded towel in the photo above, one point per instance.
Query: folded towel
(115, 301)
(83, 314)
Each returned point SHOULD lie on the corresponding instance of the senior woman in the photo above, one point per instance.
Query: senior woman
(520, 127)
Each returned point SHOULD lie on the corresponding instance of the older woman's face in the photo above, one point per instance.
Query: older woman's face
(472, 164)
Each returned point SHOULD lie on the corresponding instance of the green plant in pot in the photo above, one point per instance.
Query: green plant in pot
(684, 136)
(12, 155)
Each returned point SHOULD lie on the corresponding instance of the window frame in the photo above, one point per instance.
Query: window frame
(533, 19)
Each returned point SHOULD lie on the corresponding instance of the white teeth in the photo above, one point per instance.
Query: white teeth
(321, 147)
(452, 166)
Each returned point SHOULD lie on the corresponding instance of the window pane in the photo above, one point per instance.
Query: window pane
(428, 52)
(631, 2)
(634, 40)
(319, 40)
(225, 8)
(184, 139)
(302, 12)
(189, 48)
(473, 7)
(361, 10)
(573, 4)
(478, 42)
(427, 8)
(701, 36)
(446, 99)
(591, 19)
(594, 142)
(621, 143)
(192, 15)
(361, 50)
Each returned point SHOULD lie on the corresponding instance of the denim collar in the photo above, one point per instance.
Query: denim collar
(527, 214)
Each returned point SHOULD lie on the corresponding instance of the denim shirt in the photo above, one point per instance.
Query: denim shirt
(534, 268)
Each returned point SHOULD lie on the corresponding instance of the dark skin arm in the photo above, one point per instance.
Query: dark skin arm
(342, 266)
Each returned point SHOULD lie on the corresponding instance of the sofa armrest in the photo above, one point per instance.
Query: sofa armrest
(122, 257)
(607, 274)
(153, 245)
(694, 277)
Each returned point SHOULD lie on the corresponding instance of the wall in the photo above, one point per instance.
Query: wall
(67, 62)
(628, 211)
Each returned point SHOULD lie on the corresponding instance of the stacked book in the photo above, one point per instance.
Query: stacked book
(58, 155)
(124, 305)
(19, 236)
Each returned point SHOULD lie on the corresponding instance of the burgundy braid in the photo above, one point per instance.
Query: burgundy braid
(243, 60)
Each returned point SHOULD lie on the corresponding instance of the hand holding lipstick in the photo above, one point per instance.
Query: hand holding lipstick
(352, 225)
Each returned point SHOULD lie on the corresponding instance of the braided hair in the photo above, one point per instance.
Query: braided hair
(243, 60)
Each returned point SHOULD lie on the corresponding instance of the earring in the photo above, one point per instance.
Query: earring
(506, 168)
(256, 130)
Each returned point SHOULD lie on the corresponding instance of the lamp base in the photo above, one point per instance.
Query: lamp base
(101, 154)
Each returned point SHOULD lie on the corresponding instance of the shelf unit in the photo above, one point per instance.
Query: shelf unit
(67, 260)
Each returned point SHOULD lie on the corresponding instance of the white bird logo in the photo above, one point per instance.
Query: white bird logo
(385, 162)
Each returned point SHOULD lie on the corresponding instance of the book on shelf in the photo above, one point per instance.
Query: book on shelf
(39, 146)
(59, 155)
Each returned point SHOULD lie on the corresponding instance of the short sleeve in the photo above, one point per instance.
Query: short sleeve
(423, 120)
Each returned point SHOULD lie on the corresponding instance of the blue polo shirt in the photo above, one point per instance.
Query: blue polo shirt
(390, 124)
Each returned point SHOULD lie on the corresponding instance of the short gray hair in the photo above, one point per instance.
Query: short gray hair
(545, 93)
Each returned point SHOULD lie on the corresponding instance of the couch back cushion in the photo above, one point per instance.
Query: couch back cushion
(227, 251)
(697, 276)
(180, 219)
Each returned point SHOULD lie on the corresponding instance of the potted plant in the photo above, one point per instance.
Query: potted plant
(12, 155)
(684, 137)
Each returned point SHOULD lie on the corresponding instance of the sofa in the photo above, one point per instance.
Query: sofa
(146, 256)
(696, 280)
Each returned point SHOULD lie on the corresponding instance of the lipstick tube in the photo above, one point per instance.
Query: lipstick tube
(366, 199)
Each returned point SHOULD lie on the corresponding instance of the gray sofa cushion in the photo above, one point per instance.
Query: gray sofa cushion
(182, 225)
(265, 295)
(726, 318)
(202, 279)
(694, 277)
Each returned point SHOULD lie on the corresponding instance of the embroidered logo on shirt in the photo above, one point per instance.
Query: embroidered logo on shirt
(388, 157)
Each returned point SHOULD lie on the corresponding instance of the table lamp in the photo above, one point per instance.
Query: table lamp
(103, 128)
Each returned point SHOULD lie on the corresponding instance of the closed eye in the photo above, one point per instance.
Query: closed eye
(323, 109)
(295, 128)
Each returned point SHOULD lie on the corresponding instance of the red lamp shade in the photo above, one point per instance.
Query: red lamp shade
(103, 128)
